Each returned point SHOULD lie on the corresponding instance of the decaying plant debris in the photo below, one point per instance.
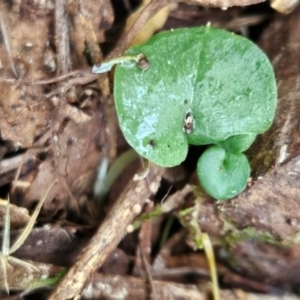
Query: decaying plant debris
(57, 121)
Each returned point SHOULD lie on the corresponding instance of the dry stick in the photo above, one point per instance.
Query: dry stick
(62, 37)
(104, 85)
(107, 286)
(153, 294)
(62, 41)
(7, 45)
(75, 75)
(222, 3)
(90, 35)
(96, 53)
(107, 237)
(86, 78)
(71, 75)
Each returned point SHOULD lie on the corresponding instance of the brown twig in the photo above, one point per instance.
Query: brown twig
(103, 286)
(109, 234)
(86, 77)
(165, 252)
(71, 75)
(62, 37)
(6, 42)
(77, 74)
(103, 82)
(118, 285)
(153, 294)
(224, 4)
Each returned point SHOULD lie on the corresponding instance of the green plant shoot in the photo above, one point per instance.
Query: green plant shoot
(125, 61)
(201, 86)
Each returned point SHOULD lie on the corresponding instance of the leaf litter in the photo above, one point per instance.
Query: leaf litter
(66, 134)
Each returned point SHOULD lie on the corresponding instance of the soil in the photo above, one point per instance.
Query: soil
(58, 125)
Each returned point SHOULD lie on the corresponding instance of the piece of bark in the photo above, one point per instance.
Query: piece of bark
(224, 4)
(20, 278)
(109, 234)
(128, 288)
(272, 203)
(19, 216)
(281, 143)
(276, 266)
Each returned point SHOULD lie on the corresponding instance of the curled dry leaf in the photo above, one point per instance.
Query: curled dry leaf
(152, 25)
(284, 6)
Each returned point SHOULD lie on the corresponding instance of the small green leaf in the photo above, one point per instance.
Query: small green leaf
(201, 86)
(238, 143)
(223, 174)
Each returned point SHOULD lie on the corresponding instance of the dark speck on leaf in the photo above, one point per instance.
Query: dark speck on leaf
(152, 143)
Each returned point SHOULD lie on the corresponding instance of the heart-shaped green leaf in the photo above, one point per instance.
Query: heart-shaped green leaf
(202, 86)
(238, 143)
(223, 174)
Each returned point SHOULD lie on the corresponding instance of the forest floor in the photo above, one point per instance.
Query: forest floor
(136, 239)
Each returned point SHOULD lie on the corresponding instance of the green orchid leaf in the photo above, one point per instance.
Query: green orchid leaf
(238, 143)
(198, 86)
(223, 174)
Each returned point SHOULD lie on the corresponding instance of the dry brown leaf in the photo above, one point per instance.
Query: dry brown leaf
(22, 118)
(76, 151)
(284, 6)
(153, 24)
